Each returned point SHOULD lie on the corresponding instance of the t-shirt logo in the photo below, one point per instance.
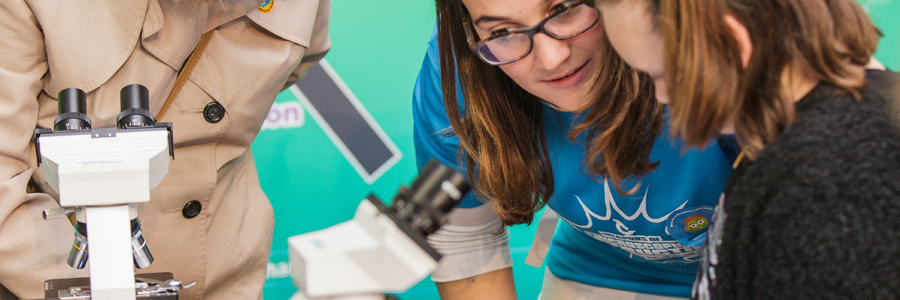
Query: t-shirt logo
(689, 226)
(612, 206)
(650, 247)
(694, 224)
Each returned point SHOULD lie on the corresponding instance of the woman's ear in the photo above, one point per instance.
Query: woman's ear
(742, 37)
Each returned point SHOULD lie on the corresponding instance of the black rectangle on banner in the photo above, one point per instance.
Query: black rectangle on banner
(345, 119)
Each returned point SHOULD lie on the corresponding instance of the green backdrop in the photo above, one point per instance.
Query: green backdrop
(378, 47)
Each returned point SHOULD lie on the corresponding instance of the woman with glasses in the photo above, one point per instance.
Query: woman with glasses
(528, 98)
(813, 208)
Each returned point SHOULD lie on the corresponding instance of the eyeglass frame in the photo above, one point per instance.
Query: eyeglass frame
(530, 31)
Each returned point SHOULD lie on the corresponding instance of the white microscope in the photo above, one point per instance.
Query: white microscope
(382, 249)
(101, 174)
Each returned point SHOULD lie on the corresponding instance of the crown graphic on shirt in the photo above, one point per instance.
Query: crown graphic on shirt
(612, 206)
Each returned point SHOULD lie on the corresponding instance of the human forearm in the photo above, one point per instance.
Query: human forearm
(476, 262)
(496, 285)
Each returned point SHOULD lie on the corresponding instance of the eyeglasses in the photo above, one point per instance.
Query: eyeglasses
(568, 19)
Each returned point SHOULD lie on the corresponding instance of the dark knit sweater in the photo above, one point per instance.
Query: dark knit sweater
(817, 214)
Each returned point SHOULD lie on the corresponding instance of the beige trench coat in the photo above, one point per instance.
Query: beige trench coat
(101, 46)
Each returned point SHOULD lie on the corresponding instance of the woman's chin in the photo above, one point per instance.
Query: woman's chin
(567, 106)
(662, 97)
(662, 93)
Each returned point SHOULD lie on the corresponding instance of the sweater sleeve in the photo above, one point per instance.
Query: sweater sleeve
(818, 214)
(830, 245)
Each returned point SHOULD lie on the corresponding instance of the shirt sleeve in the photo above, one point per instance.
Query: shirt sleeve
(474, 241)
(319, 43)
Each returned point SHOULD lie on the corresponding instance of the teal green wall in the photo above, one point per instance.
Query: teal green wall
(378, 47)
(884, 14)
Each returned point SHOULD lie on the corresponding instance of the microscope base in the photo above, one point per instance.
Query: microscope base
(53, 287)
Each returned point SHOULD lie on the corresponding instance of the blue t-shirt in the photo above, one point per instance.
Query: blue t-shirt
(646, 242)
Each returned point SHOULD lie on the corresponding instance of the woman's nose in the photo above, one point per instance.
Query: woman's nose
(550, 53)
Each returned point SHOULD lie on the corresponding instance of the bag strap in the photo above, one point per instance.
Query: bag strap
(184, 73)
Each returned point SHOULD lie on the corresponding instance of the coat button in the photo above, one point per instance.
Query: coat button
(214, 112)
(191, 209)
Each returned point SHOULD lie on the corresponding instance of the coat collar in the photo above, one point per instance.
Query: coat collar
(171, 29)
(87, 43)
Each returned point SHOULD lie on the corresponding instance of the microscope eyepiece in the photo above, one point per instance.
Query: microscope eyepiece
(439, 187)
(430, 198)
(135, 104)
(72, 108)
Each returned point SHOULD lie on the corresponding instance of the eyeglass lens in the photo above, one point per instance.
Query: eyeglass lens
(513, 46)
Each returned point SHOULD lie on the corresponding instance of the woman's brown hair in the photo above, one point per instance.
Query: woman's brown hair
(825, 40)
(501, 130)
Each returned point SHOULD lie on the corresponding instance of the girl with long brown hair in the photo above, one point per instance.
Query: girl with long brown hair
(528, 98)
(813, 208)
